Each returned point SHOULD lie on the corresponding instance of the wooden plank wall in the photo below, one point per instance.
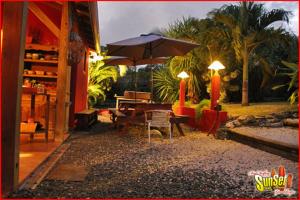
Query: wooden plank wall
(14, 25)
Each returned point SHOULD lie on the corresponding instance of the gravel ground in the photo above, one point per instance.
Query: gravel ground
(193, 166)
(280, 134)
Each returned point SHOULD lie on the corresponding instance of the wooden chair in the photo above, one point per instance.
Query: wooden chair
(158, 118)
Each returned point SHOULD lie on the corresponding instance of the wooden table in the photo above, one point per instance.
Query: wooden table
(133, 112)
(33, 93)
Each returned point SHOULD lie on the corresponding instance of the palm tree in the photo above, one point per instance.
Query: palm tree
(214, 45)
(249, 27)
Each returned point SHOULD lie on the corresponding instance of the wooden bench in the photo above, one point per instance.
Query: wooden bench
(86, 118)
(118, 117)
(133, 96)
(177, 120)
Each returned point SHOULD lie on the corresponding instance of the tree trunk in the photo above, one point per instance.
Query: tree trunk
(245, 100)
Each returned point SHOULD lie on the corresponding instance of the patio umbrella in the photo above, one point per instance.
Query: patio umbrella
(149, 46)
(120, 60)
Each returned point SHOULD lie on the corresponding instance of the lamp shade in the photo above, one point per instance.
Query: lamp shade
(183, 75)
(216, 65)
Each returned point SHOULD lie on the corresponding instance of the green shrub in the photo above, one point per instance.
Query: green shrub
(204, 104)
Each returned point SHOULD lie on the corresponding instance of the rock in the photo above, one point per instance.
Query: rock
(273, 120)
(230, 125)
(273, 125)
(283, 115)
(236, 123)
(258, 117)
(246, 119)
(242, 117)
(232, 117)
(291, 122)
(263, 123)
(295, 115)
(222, 134)
(269, 116)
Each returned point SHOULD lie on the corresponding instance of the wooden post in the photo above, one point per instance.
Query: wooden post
(14, 25)
(62, 73)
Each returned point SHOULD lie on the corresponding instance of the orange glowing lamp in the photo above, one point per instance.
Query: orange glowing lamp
(215, 83)
(183, 75)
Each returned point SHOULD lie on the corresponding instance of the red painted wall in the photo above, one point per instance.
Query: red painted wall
(81, 84)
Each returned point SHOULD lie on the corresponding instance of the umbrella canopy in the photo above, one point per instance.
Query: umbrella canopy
(119, 60)
(149, 46)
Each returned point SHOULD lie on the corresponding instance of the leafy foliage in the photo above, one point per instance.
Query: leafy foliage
(204, 104)
(291, 70)
(249, 25)
(100, 80)
(166, 85)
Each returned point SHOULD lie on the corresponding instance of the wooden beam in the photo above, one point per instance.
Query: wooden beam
(93, 8)
(53, 5)
(14, 27)
(62, 73)
(82, 13)
(44, 19)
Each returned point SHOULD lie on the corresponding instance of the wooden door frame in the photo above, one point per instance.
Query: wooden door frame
(61, 91)
(14, 30)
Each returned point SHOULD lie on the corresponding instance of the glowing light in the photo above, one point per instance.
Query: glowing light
(123, 70)
(216, 65)
(25, 155)
(94, 57)
(183, 75)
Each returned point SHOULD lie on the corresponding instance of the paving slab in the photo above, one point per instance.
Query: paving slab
(285, 136)
(68, 172)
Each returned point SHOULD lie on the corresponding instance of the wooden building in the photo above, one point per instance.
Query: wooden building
(45, 50)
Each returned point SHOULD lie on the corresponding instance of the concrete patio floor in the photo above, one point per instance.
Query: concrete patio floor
(126, 166)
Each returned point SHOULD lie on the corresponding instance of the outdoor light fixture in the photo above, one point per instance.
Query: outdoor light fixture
(95, 57)
(216, 65)
(123, 70)
(215, 83)
(183, 75)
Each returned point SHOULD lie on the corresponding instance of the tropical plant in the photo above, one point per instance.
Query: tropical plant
(291, 70)
(214, 44)
(101, 78)
(249, 26)
(204, 104)
(166, 85)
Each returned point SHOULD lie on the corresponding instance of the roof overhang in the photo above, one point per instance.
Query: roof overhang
(87, 13)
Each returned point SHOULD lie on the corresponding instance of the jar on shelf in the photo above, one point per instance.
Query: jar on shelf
(27, 82)
(40, 88)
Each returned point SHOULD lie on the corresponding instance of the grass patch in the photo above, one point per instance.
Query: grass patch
(265, 108)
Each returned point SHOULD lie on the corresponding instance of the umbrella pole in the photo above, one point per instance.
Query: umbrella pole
(151, 72)
(151, 82)
(135, 82)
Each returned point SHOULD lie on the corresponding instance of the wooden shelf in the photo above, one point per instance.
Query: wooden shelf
(39, 76)
(41, 61)
(41, 47)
